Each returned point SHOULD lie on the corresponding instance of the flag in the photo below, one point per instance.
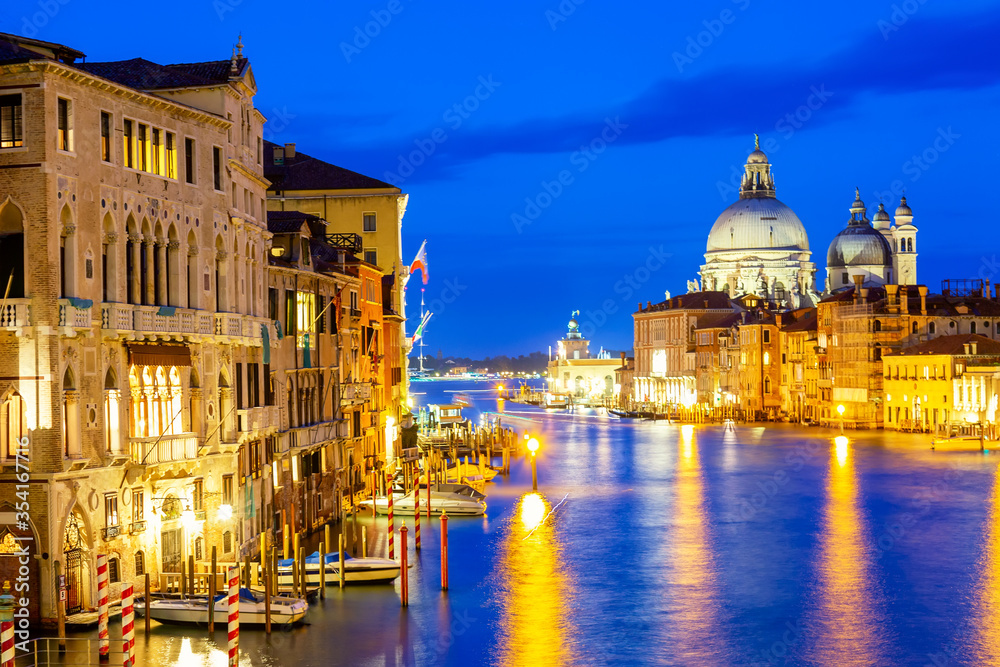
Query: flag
(420, 261)
(420, 328)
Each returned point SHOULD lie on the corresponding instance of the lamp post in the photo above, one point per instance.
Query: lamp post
(533, 447)
(840, 411)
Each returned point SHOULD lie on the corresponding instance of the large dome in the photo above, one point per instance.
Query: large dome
(761, 223)
(859, 245)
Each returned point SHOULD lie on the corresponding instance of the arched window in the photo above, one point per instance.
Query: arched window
(878, 352)
(67, 254)
(199, 548)
(156, 401)
(159, 267)
(221, 278)
(227, 542)
(114, 570)
(132, 261)
(972, 327)
(12, 249)
(109, 262)
(915, 328)
(140, 563)
(146, 265)
(931, 328)
(191, 257)
(173, 273)
(13, 423)
(909, 244)
(112, 412)
(71, 416)
(779, 291)
(767, 385)
(878, 325)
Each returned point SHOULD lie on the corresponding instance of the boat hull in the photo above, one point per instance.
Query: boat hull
(195, 611)
(378, 570)
(405, 506)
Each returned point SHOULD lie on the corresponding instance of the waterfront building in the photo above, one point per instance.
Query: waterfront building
(717, 361)
(573, 371)
(373, 211)
(944, 384)
(665, 362)
(799, 365)
(760, 367)
(133, 241)
(880, 253)
(759, 246)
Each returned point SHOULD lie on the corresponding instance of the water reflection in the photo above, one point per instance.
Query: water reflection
(536, 594)
(847, 627)
(987, 625)
(694, 611)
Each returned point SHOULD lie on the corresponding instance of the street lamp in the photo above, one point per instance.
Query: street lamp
(533, 447)
(840, 411)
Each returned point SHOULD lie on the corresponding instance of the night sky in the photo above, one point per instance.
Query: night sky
(646, 111)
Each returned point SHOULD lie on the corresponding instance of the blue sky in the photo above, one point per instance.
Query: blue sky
(644, 110)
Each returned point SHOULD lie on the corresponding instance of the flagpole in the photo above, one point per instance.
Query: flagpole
(421, 337)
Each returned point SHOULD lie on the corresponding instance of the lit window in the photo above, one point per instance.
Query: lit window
(305, 309)
(156, 152)
(111, 509)
(11, 125)
(142, 154)
(106, 136)
(156, 402)
(128, 141)
(227, 490)
(170, 163)
(138, 506)
(199, 495)
(114, 571)
(64, 137)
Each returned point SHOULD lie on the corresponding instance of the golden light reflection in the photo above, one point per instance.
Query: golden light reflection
(986, 643)
(691, 572)
(535, 627)
(847, 617)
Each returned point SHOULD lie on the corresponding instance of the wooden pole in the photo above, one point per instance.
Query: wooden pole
(183, 579)
(211, 592)
(322, 570)
(267, 594)
(444, 551)
(303, 579)
(274, 571)
(246, 567)
(191, 575)
(147, 604)
(297, 583)
(284, 542)
(403, 574)
(342, 547)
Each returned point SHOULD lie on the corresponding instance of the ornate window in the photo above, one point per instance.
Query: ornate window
(140, 563)
(156, 401)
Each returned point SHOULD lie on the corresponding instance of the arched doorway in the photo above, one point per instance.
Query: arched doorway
(76, 561)
(10, 563)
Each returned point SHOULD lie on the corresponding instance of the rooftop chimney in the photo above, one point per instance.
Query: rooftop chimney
(777, 320)
(972, 346)
(858, 282)
(289, 151)
(904, 300)
(922, 289)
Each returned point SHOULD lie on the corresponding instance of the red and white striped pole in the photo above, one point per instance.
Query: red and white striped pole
(128, 627)
(6, 627)
(416, 512)
(388, 493)
(234, 616)
(104, 643)
(428, 497)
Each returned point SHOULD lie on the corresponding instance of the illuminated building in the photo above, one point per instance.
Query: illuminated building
(574, 372)
(132, 235)
(717, 369)
(664, 339)
(945, 383)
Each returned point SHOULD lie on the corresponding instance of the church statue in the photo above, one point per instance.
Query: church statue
(693, 286)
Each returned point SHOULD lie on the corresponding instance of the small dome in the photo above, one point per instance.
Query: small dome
(859, 245)
(858, 206)
(881, 215)
(757, 157)
(903, 208)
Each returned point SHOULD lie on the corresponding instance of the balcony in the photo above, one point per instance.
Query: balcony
(347, 241)
(111, 532)
(74, 316)
(354, 393)
(15, 314)
(150, 451)
(137, 527)
(132, 321)
(307, 436)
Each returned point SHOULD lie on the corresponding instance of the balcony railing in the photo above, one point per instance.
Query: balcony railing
(353, 392)
(111, 532)
(15, 313)
(125, 318)
(74, 316)
(347, 241)
(151, 451)
(136, 527)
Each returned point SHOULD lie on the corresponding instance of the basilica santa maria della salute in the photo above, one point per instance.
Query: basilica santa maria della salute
(759, 246)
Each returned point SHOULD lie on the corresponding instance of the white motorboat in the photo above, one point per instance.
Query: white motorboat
(356, 570)
(284, 610)
(463, 500)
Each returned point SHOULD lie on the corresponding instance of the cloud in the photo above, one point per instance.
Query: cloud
(926, 53)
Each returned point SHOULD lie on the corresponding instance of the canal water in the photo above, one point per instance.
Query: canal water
(652, 543)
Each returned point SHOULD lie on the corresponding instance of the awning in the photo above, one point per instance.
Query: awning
(146, 354)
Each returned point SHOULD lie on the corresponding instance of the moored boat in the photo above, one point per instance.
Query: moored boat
(456, 503)
(959, 443)
(284, 610)
(356, 570)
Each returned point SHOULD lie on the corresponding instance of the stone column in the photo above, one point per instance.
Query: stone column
(161, 253)
(192, 284)
(135, 280)
(149, 297)
(71, 400)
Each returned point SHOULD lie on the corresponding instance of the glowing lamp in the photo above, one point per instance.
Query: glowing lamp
(840, 410)
(533, 445)
(187, 519)
(225, 512)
